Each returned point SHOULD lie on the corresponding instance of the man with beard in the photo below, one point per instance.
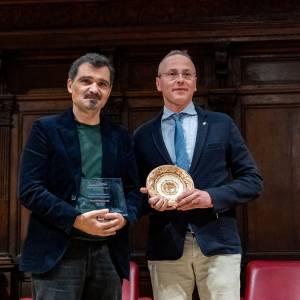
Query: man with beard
(74, 253)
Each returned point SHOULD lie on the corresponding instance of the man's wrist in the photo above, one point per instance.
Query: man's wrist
(78, 221)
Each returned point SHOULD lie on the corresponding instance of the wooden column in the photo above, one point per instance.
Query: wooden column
(8, 269)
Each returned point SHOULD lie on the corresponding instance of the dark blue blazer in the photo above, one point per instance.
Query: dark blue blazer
(221, 165)
(49, 183)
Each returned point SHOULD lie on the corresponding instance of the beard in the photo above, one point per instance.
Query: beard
(92, 104)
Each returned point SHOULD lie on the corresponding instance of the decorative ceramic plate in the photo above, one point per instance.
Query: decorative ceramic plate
(168, 182)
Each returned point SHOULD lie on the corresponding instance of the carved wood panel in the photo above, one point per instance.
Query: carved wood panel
(272, 130)
(28, 14)
(266, 70)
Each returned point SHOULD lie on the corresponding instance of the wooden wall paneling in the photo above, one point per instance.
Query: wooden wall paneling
(270, 69)
(75, 14)
(38, 70)
(268, 87)
(8, 273)
(14, 213)
(142, 107)
(223, 101)
(203, 63)
(272, 123)
(6, 107)
(139, 69)
(221, 63)
(7, 283)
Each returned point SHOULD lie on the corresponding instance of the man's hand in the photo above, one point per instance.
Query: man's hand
(156, 202)
(100, 222)
(194, 199)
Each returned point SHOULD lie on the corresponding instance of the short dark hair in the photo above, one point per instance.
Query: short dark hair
(176, 52)
(96, 60)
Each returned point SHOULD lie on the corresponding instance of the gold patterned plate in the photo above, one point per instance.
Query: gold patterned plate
(168, 182)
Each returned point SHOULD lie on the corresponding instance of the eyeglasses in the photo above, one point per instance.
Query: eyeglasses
(173, 75)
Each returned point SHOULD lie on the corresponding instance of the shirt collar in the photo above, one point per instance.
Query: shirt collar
(189, 110)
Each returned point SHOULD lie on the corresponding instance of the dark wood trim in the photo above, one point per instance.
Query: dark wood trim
(141, 35)
(18, 2)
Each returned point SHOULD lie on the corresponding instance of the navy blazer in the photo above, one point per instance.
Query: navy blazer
(49, 183)
(221, 165)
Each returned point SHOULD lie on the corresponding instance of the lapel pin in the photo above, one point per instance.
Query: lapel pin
(204, 123)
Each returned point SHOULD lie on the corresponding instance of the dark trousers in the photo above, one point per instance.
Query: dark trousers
(85, 271)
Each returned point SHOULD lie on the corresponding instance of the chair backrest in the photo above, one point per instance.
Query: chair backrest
(130, 288)
(272, 280)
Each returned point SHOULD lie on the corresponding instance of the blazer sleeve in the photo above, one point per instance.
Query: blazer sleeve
(34, 182)
(246, 183)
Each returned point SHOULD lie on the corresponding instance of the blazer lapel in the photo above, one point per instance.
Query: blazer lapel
(159, 141)
(68, 132)
(200, 139)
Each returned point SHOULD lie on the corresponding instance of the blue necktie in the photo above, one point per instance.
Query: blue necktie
(182, 159)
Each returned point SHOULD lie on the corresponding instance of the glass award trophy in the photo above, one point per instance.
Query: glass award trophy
(100, 193)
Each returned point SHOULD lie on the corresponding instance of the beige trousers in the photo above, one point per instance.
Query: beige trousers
(217, 277)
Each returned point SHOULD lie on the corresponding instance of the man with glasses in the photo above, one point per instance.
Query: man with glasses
(195, 241)
(73, 252)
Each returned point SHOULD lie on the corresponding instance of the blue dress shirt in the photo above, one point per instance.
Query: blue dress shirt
(189, 124)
